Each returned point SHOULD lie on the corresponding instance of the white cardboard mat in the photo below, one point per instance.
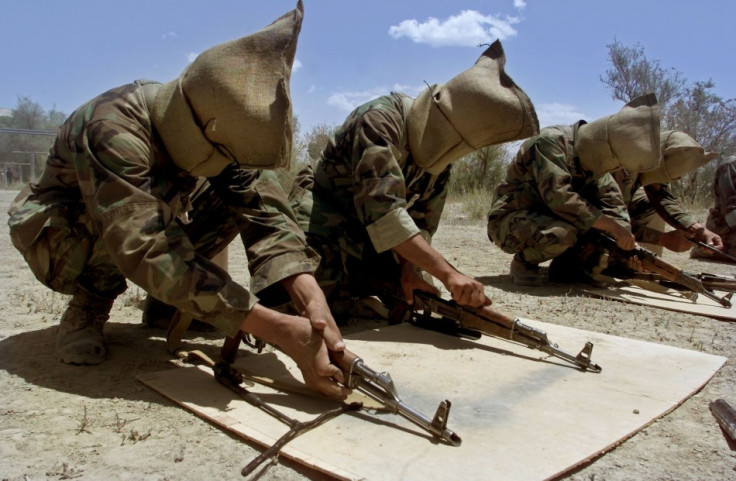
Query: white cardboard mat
(521, 415)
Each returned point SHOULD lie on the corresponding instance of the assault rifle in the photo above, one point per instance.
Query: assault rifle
(652, 263)
(358, 376)
(432, 312)
(380, 387)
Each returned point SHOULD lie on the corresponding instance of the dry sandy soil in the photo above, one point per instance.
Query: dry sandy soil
(66, 422)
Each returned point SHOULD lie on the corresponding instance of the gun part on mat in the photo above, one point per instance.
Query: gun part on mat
(709, 281)
(714, 250)
(232, 379)
(380, 386)
(651, 262)
(433, 312)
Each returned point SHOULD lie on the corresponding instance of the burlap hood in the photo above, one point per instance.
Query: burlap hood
(628, 139)
(232, 104)
(680, 154)
(482, 106)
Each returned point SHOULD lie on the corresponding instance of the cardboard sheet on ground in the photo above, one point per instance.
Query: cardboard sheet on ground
(670, 300)
(521, 415)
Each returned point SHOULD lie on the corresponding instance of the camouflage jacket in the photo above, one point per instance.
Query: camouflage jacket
(109, 171)
(367, 191)
(722, 216)
(546, 177)
(661, 198)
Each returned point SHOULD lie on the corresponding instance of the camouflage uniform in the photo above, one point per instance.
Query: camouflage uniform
(111, 205)
(722, 216)
(365, 196)
(649, 205)
(548, 199)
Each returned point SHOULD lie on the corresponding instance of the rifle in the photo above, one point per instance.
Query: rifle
(651, 262)
(709, 281)
(378, 386)
(470, 323)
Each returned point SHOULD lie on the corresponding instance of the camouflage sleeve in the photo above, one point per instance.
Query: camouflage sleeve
(275, 245)
(140, 231)
(554, 182)
(669, 207)
(426, 207)
(610, 201)
(380, 191)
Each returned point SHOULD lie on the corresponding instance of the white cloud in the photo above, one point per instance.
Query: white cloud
(468, 29)
(296, 66)
(169, 35)
(191, 56)
(519, 4)
(348, 101)
(558, 114)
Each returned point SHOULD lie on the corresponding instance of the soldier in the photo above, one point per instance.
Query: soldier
(722, 216)
(651, 203)
(374, 199)
(147, 182)
(559, 186)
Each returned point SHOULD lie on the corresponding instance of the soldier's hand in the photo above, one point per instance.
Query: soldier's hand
(466, 291)
(312, 304)
(710, 238)
(624, 238)
(296, 337)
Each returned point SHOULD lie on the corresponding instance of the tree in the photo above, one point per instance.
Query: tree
(632, 74)
(480, 171)
(693, 108)
(23, 153)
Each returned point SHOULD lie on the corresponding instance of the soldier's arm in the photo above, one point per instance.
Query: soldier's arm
(464, 289)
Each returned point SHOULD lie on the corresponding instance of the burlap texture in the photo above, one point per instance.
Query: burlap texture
(232, 104)
(680, 154)
(482, 106)
(628, 139)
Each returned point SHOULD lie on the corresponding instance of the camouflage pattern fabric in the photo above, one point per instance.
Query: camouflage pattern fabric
(547, 199)
(111, 205)
(647, 204)
(366, 195)
(722, 216)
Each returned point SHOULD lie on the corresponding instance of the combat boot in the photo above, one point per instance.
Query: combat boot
(525, 273)
(79, 339)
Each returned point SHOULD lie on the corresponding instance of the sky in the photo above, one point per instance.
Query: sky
(62, 53)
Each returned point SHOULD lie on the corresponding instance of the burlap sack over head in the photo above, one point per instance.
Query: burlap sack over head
(628, 139)
(482, 106)
(680, 154)
(232, 104)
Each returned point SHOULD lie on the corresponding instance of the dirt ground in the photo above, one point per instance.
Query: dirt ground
(66, 422)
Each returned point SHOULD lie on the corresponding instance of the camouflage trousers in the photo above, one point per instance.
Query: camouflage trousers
(345, 278)
(72, 260)
(535, 236)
